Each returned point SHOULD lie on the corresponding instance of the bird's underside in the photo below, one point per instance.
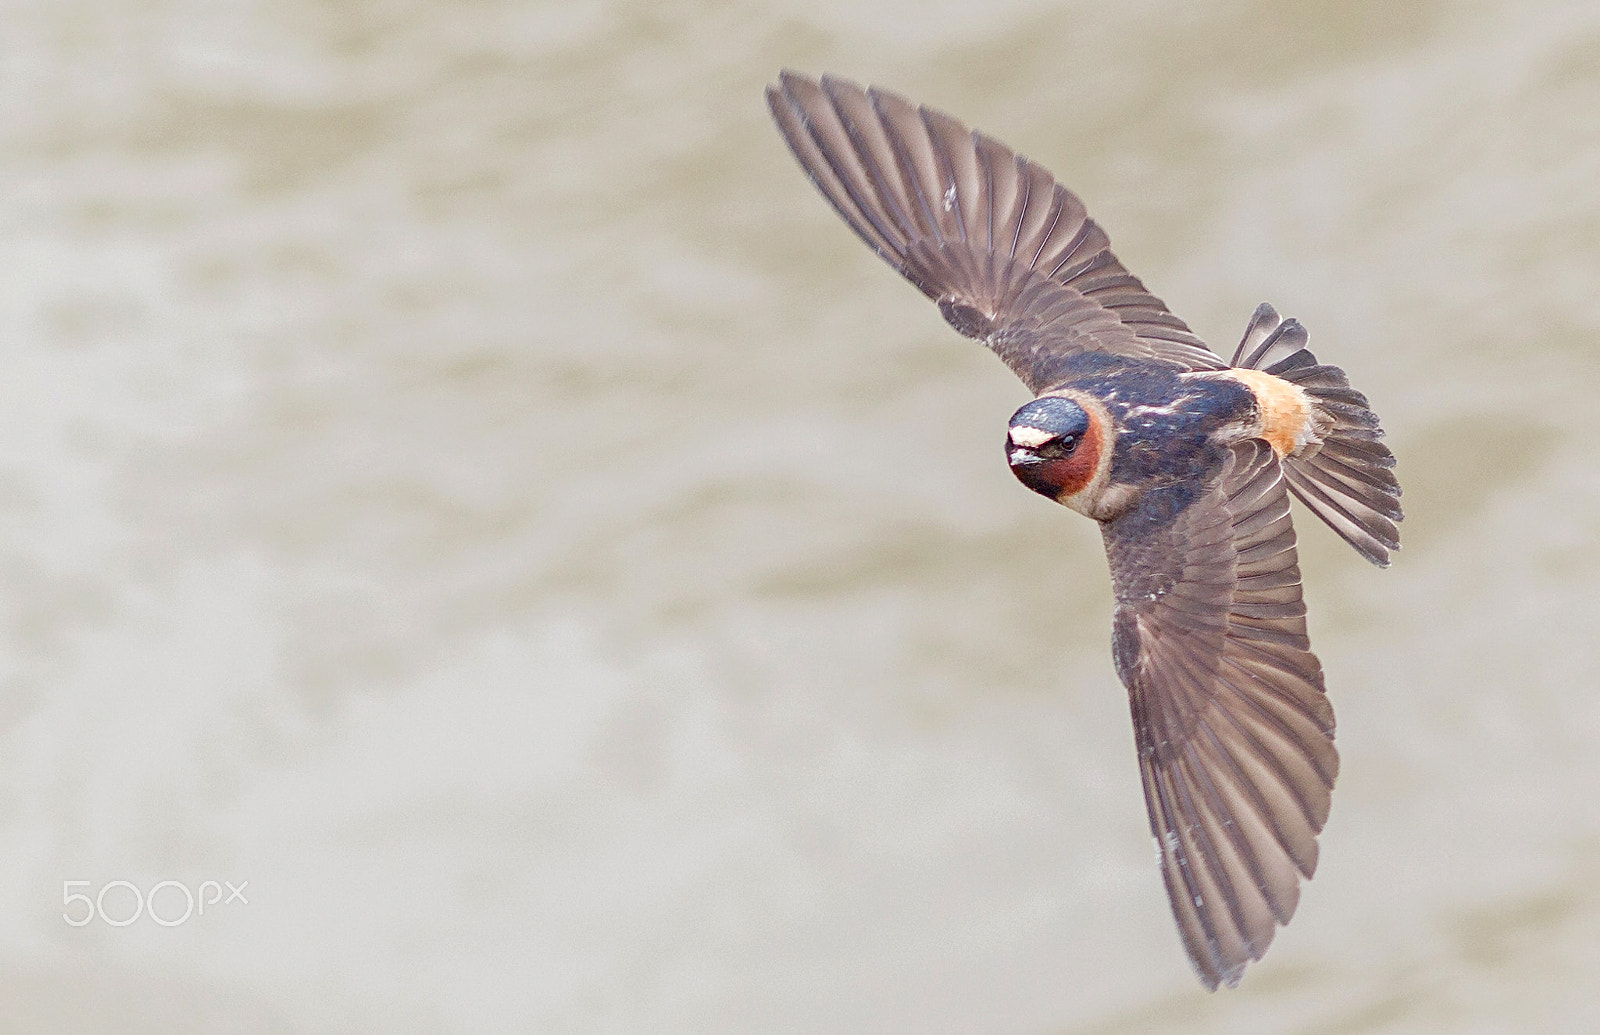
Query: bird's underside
(1234, 731)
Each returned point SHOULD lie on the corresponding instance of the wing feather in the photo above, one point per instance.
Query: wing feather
(1010, 255)
(1235, 732)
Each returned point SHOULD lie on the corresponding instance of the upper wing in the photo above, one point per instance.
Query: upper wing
(1235, 734)
(1009, 254)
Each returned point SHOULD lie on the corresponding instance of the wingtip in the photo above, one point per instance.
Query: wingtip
(880, 97)
(833, 85)
(784, 93)
(1214, 978)
(799, 88)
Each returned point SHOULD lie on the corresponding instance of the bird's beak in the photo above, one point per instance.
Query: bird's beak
(1023, 443)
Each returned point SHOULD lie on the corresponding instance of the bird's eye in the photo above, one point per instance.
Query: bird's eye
(1060, 447)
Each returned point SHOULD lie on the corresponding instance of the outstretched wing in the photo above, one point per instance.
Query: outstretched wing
(1010, 255)
(1234, 731)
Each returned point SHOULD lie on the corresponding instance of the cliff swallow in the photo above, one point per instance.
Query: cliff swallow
(1187, 463)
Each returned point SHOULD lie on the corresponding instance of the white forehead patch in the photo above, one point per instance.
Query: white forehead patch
(1032, 438)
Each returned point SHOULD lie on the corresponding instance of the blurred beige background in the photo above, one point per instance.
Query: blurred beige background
(455, 478)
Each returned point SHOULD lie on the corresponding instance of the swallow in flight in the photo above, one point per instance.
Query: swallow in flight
(1187, 463)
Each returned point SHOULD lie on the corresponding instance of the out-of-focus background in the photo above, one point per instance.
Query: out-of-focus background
(461, 484)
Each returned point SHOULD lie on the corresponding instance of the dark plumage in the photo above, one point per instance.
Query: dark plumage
(1058, 416)
(1186, 462)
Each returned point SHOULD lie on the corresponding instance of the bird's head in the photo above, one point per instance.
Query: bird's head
(1060, 447)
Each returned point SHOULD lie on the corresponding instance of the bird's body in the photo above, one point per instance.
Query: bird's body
(1187, 463)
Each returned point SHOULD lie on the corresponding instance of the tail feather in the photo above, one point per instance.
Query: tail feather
(1269, 340)
(1371, 533)
(1355, 451)
(1361, 477)
(1345, 473)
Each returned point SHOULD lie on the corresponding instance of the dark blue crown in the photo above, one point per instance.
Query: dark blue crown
(1053, 414)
